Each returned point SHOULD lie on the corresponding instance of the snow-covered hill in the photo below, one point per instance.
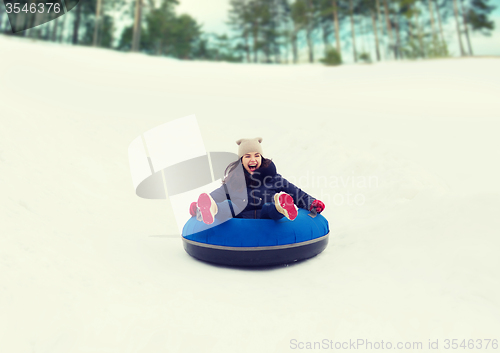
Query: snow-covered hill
(404, 154)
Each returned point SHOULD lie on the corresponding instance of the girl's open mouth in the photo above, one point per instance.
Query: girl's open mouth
(252, 167)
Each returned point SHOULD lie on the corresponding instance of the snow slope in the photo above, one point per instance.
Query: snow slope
(404, 154)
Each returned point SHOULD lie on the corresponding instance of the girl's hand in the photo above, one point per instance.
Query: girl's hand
(318, 205)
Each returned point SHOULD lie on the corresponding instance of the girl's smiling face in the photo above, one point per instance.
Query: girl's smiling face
(251, 161)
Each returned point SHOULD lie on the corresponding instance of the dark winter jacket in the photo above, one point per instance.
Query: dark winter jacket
(261, 186)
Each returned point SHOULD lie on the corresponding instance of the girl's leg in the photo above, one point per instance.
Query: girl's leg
(227, 210)
(269, 211)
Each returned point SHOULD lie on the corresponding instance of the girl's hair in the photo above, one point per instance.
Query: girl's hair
(229, 175)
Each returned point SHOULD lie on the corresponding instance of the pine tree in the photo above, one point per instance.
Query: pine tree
(476, 14)
(239, 21)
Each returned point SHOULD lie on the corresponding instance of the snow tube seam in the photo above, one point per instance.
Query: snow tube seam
(256, 248)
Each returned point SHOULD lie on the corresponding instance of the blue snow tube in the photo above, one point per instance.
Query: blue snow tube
(256, 242)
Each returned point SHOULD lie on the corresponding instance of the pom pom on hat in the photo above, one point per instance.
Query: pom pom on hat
(249, 145)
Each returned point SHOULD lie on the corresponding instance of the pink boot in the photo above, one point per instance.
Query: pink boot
(208, 208)
(193, 209)
(284, 204)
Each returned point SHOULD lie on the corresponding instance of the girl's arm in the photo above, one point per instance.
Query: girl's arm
(300, 198)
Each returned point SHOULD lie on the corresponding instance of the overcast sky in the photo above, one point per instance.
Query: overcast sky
(213, 15)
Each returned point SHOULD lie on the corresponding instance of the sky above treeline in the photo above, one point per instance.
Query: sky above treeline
(213, 15)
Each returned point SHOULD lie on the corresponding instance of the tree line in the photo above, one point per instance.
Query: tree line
(277, 31)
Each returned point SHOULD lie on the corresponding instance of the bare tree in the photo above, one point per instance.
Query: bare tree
(466, 27)
(433, 27)
(97, 22)
(440, 23)
(389, 27)
(455, 12)
(136, 37)
(375, 34)
(353, 31)
(309, 29)
(419, 33)
(336, 25)
(76, 23)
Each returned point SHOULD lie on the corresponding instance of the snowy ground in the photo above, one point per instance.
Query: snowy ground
(409, 152)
